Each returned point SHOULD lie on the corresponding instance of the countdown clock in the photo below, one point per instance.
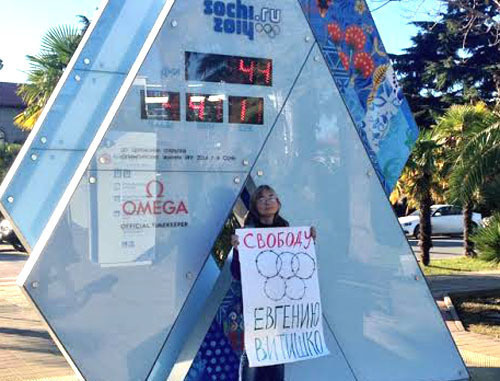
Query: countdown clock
(216, 68)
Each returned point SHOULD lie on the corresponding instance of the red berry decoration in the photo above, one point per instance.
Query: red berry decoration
(363, 62)
(355, 37)
(335, 32)
(344, 58)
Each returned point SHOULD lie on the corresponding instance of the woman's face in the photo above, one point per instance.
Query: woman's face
(267, 204)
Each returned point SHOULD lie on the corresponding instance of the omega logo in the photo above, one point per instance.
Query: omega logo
(156, 204)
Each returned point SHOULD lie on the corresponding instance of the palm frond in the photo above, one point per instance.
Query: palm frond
(476, 164)
(57, 48)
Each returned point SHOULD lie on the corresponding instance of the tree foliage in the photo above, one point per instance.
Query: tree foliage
(487, 240)
(8, 152)
(471, 139)
(453, 60)
(58, 46)
(418, 184)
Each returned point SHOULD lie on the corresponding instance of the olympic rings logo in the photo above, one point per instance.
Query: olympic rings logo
(285, 273)
(269, 29)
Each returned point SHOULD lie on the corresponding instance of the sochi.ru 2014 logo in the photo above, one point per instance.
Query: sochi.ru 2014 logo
(238, 18)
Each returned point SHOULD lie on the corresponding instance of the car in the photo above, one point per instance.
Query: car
(445, 220)
(7, 235)
(486, 221)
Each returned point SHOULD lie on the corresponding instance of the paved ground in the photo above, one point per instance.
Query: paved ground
(481, 353)
(28, 353)
(26, 350)
(470, 283)
(443, 247)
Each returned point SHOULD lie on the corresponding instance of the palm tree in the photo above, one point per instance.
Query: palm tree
(418, 183)
(466, 131)
(58, 46)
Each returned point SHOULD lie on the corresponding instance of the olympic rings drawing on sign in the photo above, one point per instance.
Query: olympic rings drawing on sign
(271, 30)
(285, 273)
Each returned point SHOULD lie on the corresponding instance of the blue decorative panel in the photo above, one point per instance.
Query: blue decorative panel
(361, 68)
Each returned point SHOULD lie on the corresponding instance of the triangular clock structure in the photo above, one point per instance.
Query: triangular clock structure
(167, 113)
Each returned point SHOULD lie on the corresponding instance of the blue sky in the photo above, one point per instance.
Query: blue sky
(23, 23)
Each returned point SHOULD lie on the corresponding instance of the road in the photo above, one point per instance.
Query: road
(11, 263)
(443, 247)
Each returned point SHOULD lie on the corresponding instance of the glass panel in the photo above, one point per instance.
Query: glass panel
(121, 262)
(374, 297)
(78, 111)
(37, 188)
(82, 104)
(119, 35)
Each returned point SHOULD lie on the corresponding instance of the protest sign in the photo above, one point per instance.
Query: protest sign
(281, 301)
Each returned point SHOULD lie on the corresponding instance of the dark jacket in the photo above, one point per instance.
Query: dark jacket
(251, 222)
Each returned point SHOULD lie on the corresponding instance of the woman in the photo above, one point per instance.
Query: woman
(264, 213)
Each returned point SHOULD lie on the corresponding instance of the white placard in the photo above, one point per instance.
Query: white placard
(281, 300)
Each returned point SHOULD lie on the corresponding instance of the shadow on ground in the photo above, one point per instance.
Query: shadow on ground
(484, 374)
(12, 256)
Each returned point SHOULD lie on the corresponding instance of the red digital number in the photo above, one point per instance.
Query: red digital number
(248, 70)
(267, 72)
(260, 111)
(243, 113)
(198, 106)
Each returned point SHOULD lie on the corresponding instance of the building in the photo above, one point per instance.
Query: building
(10, 105)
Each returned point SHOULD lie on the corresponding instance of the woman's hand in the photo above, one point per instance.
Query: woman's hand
(313, 233)
(235, 241)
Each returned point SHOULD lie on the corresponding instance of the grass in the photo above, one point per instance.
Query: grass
(480, 314)
(458, 265)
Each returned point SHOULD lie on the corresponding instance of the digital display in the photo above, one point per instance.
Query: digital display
(160, 105)
(229, 69)
(246, 110)
(204, 108)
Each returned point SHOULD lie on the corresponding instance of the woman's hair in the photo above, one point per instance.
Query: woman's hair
(253, 211)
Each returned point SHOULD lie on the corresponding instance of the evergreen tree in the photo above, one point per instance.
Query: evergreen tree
(454, 60)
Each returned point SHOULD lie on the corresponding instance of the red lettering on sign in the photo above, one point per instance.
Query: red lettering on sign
(168, 207)
(128, 208)
(157, 207)
(260, 242)
(309, 238)
(245, 242)
(143, 208)
(182, 208)
(271, 240)
(158, 192)
(281, 242)
(298, 239)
